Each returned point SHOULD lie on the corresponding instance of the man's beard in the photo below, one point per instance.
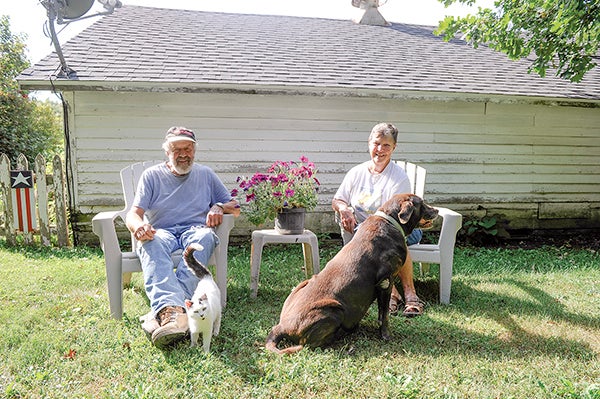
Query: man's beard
(184, 167)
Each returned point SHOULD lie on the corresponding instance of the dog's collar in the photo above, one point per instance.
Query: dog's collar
(391, 220)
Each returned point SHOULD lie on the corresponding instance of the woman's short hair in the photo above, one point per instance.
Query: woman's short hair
(384, 129)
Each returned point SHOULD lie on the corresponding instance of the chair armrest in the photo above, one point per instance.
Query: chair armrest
(222, 231)
(219, 256)
(103, 225)
(450, 225)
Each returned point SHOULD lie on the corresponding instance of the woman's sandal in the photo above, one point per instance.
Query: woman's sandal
(394, 305)
(413, 308)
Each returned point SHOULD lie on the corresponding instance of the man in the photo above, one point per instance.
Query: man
(177, 202)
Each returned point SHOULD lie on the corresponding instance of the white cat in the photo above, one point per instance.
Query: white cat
(204, 309)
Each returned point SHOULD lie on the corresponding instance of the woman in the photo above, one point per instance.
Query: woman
(364, 189)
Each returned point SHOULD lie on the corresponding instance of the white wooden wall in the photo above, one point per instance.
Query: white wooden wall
(539, 164)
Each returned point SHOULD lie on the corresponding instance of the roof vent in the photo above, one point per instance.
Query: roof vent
(371, 16)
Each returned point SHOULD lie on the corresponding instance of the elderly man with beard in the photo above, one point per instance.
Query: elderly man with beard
(177, 202)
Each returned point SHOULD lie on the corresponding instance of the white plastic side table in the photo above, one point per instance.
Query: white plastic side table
(310, 249)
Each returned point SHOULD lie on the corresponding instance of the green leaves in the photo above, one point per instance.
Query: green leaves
(563, 36)
(26, 126)
(488, 229)
(12, 56)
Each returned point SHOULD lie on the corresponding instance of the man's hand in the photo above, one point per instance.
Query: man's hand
(214, 216)
(144, 232)
(141, 230)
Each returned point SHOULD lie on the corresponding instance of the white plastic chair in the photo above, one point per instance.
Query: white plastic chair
(441, 253)
(120, 265)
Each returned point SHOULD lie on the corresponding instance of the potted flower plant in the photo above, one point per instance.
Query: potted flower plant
(286, 186)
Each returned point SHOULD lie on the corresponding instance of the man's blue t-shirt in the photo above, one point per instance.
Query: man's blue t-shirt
(176, 203)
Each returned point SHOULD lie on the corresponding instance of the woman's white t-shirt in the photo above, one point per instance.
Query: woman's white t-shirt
(366, 192)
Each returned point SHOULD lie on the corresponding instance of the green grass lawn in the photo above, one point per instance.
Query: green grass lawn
(521, 324)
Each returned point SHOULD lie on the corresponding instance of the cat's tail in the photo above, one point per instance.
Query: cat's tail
(273, 339)
(192, 263)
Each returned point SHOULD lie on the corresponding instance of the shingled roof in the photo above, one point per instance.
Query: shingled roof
(155, 47)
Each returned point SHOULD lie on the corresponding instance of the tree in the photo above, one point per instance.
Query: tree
(562, 35)
(26, 126)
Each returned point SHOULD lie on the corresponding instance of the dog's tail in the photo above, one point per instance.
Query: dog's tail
(273, 339)
(196, 267)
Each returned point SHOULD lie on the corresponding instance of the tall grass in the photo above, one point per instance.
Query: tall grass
(522, 324)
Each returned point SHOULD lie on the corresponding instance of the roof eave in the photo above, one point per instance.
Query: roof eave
(321, 91)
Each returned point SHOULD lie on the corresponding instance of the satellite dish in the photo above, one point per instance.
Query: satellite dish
(76, 8)
(71, 10)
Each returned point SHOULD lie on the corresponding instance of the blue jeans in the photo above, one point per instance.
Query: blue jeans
(164, 284)
(414, 237)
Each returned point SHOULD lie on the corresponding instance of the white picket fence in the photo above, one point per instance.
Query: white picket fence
(44, 187)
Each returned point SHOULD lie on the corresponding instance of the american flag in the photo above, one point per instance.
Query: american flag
(23, 198)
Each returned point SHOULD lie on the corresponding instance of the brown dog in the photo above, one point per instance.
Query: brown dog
(334, 301)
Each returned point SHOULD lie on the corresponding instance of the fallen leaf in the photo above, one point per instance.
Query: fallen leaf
(70, 355)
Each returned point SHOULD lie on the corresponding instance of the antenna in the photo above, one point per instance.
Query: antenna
(71, 10)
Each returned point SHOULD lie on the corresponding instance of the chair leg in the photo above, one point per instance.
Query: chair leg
(445, 280)
(221, 269)
(424, 268)
(114, 279)
(127, 278)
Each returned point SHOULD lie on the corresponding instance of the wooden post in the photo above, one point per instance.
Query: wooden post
(5, 184)
(42, 199)
(62, 223)
(23, 164)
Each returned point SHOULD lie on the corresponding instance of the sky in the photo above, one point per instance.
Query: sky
(29, 16)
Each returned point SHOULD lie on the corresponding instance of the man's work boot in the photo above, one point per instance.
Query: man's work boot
(149, 324)
(173, 326)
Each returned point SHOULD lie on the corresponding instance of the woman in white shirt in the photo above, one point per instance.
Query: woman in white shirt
(364, 189)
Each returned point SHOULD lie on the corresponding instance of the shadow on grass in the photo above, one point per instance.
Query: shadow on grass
(246, 323)
(428, 336)
(442, 330)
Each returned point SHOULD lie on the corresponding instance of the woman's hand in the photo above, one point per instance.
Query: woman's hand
(347, 219)
(346, 215)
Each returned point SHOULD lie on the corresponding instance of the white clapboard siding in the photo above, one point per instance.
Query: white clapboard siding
(506, 154)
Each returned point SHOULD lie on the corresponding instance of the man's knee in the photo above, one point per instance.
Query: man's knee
(205, 237)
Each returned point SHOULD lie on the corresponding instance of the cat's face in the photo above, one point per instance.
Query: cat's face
(197, 307)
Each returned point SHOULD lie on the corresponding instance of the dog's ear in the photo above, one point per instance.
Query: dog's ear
(406, 211)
